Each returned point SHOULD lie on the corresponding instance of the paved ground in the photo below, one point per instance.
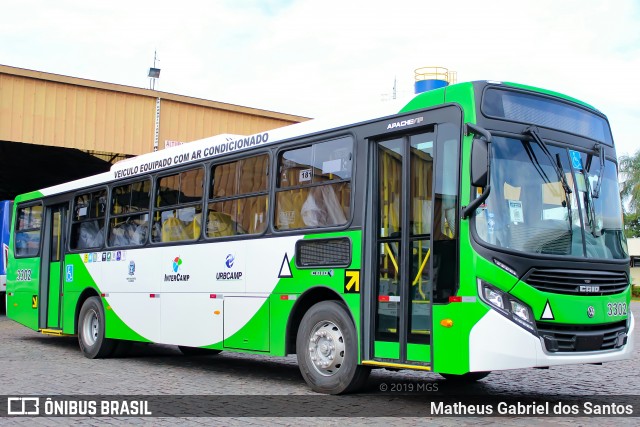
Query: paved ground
(34, 364)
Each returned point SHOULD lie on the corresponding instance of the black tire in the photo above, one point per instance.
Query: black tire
(197, 351)
(327, 350)
(469, 377)
(91, 327)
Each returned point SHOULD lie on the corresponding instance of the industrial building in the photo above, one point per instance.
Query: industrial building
(56, 128)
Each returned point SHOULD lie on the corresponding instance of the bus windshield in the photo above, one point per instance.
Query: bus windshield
(530, 210)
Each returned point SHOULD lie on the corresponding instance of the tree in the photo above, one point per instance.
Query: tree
(629, 167)
(631, 225)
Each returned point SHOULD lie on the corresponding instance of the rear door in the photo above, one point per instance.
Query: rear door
(53, 272)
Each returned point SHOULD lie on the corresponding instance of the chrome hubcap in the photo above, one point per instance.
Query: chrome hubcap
(90, 327)
(326, 348)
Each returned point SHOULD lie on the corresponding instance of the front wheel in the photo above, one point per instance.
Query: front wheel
(91, 327)
(327, 350)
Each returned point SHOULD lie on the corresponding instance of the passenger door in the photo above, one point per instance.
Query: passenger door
(53, 273)
(414, 217)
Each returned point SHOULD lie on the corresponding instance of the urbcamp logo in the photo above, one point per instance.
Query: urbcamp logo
(229, 275)
(177, 262)
(175, 266)
(229, 261)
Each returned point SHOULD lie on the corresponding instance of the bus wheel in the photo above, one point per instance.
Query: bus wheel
(469, 377)
(197, 351)
(91, 326)
(327, 350)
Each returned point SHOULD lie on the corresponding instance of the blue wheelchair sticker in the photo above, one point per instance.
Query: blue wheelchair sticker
(576, 159)
(70, 273)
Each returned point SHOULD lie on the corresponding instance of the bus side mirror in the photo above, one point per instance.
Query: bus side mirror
(479, 163)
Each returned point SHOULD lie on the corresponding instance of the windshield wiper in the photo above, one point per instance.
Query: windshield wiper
(557, 165)
(533, 131)
(594, 193)
(596, 188)
(589, 208)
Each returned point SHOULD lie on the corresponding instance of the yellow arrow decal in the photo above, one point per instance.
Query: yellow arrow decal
(352, 281)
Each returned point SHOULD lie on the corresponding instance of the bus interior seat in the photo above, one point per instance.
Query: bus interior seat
(138, 233)
(219, 224)
(313, 210)
(90, 235)
(322, 208)
(335, 212)
(118, 235)
(174, 230)
(255, 216)
(194, 228)
(289, 209)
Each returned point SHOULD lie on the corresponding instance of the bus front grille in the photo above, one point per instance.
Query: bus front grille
(572, 338)
(577, 282)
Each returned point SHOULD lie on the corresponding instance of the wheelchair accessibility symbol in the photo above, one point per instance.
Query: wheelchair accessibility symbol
(576, 159)
(70, 273)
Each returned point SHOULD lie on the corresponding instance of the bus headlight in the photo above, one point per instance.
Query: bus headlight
(494, 297)
(520, 310)
(507, 305)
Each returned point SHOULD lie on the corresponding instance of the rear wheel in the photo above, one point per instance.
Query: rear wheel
(327, 350)
(91, 327)
(197, 351)
(469, 377)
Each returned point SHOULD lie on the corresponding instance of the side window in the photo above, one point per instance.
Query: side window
(177, 213)
(445, 208)
(314, 185)
(129, 215)
(238, 201)
(27, 241)
(87, 229)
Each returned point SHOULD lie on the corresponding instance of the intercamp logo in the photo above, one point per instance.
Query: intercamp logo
(177, 262)
(178, 277)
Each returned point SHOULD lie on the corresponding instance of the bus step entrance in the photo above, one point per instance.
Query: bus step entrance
(57, 332)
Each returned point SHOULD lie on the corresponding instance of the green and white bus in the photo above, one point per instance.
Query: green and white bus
(478, 229)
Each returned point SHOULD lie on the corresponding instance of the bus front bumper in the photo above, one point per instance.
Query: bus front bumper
(496, 343)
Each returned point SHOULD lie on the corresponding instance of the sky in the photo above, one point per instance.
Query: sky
(319, 58)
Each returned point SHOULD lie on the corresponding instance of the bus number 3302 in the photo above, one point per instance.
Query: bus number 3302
(617, 309)
(23, 275)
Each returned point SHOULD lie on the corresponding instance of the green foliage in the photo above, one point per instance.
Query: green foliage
(631, 225)
(635, 291)
(629, 167)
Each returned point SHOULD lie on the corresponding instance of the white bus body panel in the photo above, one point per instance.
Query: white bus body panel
(496, 343)
(171, 294)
